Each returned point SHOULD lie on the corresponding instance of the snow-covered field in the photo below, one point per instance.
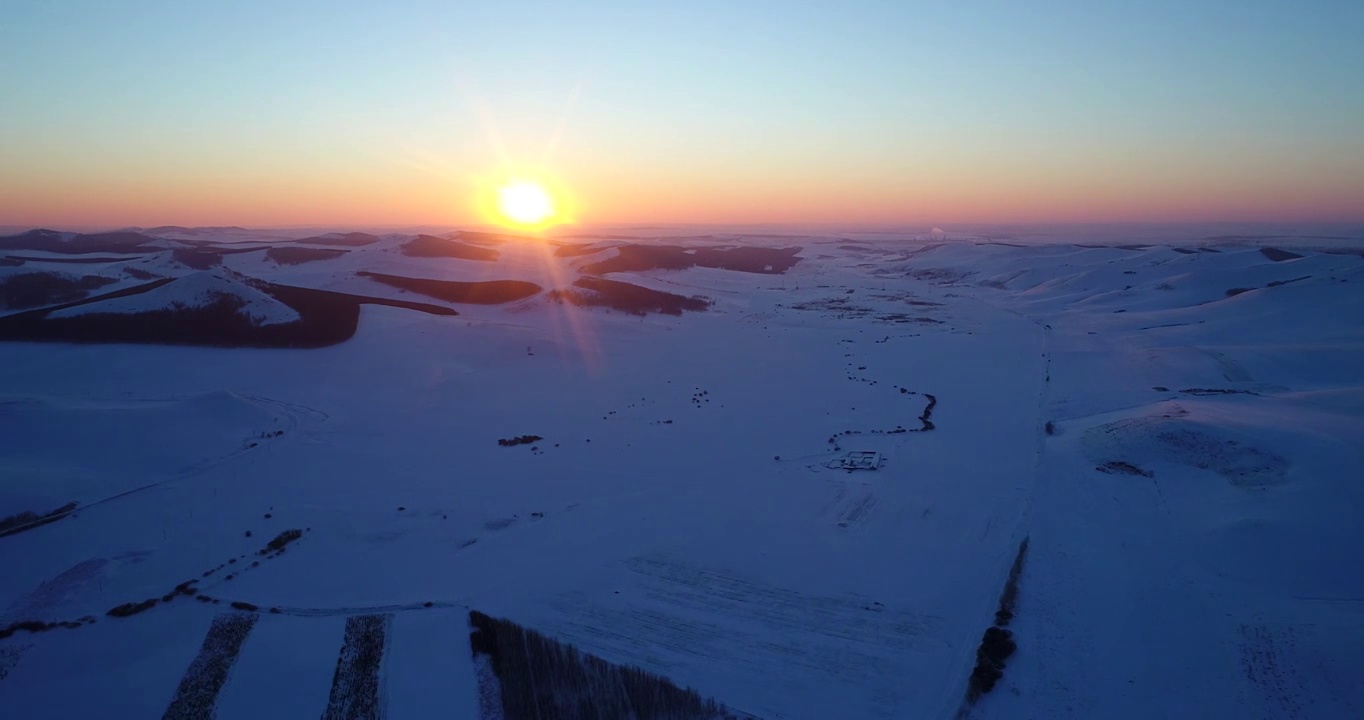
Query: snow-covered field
(1177, 429)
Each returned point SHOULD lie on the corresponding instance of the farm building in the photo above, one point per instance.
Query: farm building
(857, 460)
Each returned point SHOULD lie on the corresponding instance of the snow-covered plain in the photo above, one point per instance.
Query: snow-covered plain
(1184, 461)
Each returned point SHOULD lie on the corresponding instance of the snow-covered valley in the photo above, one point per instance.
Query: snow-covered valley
(1175, 429)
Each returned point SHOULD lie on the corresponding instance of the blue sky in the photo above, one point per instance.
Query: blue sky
(754, 111)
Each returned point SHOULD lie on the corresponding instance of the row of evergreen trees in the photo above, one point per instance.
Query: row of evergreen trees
(542, 678)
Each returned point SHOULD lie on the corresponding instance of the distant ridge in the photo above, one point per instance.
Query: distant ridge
(118, 241)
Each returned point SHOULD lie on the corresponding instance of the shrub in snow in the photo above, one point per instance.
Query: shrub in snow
(281, 540)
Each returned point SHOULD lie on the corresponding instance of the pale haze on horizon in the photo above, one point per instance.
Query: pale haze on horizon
(144, 113)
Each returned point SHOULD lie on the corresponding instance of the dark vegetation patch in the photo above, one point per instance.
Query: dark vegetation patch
(21, 259)
(1278, 255)
(325, 318)
(520, 440)
(38, 626)
(488, 292)
(51, 241)
(27, 520)
(903, 318)
(925, 422)
(132, 608)
(355, 684)
(843, 307)
(1233, 292)
(628, 297)
(1242, 465)
(1216, 391)
(485, 238)
(273, 549)
(182, 230)
(997, 644)
(281, 540)
(432, 246)
(140, 274)
(574, 250)
(11, 261)
(773, 261)
(208, 672)
(355, 239)
(1120, 467)
(1184, 251)
(543, 678)
(907, 299)
(32, 289)
(197, 259)
(300, 255)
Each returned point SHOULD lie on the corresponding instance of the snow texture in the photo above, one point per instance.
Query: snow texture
(1183, 461)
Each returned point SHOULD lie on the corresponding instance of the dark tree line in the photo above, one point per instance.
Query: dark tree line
(543, 678)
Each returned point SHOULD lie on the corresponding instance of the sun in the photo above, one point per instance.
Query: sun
(525, 203)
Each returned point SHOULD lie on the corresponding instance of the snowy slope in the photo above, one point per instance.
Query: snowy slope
(197, 290)
(1182, 461)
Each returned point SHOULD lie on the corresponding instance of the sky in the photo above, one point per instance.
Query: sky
(366, 113)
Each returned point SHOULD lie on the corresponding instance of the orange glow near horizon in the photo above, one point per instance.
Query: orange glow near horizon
(431, 189)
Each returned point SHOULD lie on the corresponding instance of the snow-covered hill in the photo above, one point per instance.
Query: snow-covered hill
(1175, 429)
(198, 290)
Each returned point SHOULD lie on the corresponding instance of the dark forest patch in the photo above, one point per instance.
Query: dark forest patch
(1205, 392)
(355, 239)
(772, 261)
(1278, 255)
(21, 259)
(300, 255)
(485, 238)
(78, 243)
(997, 644)
(1122, 467)
(38, 626)
(1233, 292)
(281, 540)
(577, 250)
(543, 678)
(519, 440)
(27, 520)
(140, 274)
(355, 684)
(208, 672)
(432, 246)
(325, 318)
(32, 289)
(627, 297)
(197, 259)
(486, 292)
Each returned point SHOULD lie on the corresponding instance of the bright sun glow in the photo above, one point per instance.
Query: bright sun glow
(525, 203)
